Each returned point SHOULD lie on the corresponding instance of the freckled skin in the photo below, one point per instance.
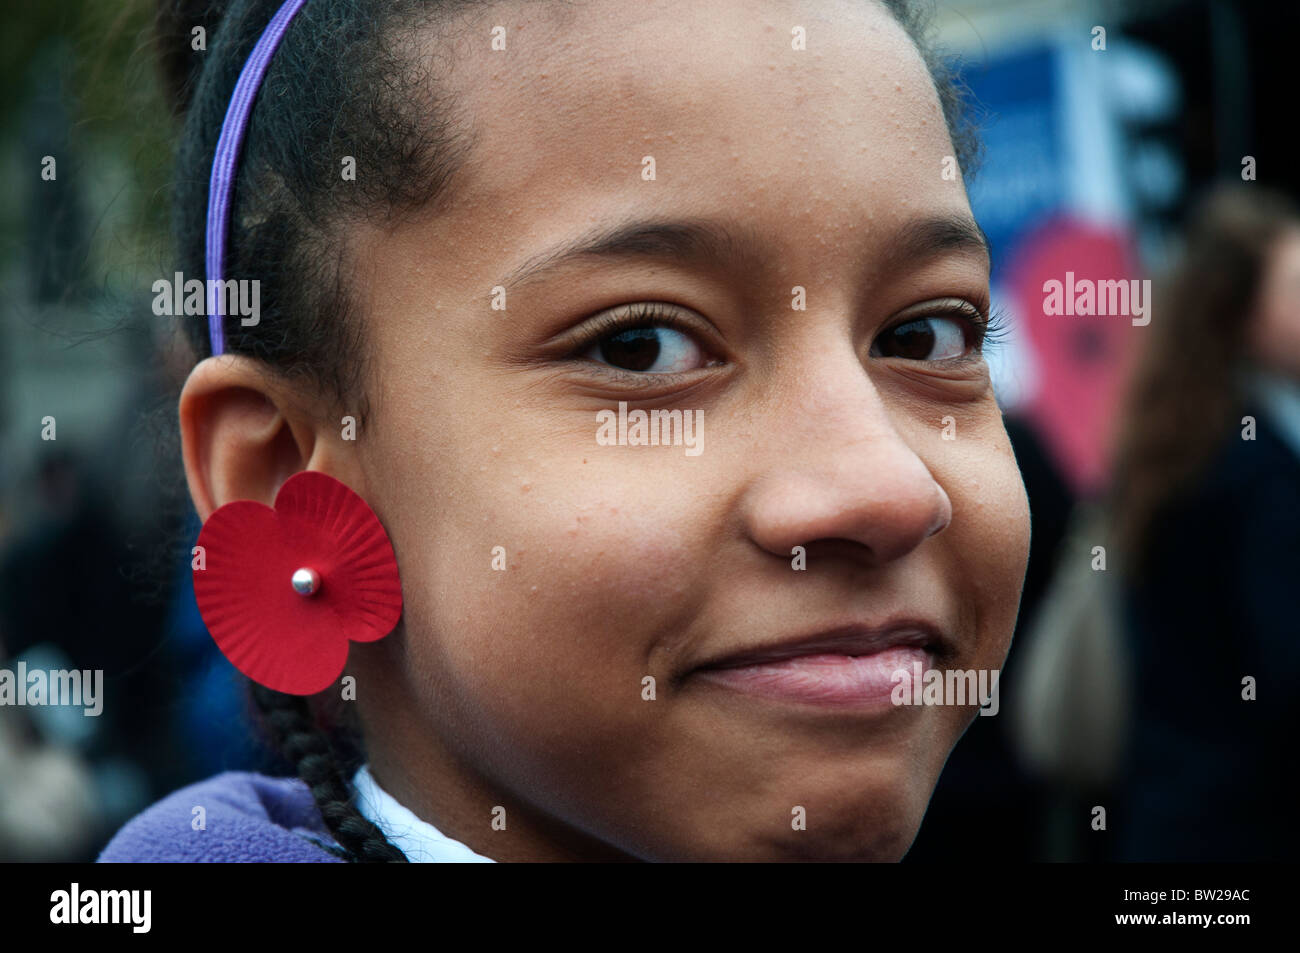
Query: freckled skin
(523, 688)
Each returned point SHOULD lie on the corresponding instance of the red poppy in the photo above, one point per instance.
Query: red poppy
(283, 591)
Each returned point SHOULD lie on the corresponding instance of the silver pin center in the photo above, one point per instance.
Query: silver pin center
(306, 582)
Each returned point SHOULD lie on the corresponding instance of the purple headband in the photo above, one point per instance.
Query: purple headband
(222, 182)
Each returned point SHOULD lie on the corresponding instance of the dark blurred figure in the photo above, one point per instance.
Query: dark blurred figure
(64, 602)
(1206, 511)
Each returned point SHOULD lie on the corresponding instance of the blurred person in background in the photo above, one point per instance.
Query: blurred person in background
(66, 604)
(48, 810)
(1206, 520)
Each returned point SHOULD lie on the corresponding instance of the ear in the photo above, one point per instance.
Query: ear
(244, 431)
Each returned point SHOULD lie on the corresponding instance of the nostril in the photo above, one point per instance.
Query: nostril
(944, 515)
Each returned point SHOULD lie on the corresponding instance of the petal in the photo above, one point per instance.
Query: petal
(277, 637)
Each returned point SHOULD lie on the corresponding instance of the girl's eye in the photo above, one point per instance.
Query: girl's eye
(649, 349)
(935, 338)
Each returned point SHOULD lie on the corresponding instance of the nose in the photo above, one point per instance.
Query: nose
(843, 472)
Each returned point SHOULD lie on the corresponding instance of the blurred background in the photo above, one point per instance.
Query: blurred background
(1155, 668)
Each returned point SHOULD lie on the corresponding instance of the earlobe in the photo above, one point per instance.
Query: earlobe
(242, 434)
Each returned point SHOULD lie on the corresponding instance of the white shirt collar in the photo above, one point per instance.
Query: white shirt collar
(419, 840)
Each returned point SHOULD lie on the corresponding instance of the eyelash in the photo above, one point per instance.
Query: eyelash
(640, 315)
(988, 329)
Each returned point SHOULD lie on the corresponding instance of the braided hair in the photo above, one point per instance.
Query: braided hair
(343, 82)
(310, 751)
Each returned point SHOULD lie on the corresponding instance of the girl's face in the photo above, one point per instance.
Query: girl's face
(778, 213)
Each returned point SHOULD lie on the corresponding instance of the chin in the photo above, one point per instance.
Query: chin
(886, 843)
(880, 846)
(872, 823)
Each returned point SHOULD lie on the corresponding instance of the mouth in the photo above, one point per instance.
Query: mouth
(848, 667)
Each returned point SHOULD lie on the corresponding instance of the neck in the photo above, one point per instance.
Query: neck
(417, 767)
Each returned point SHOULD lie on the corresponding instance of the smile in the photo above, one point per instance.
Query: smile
(849, 668)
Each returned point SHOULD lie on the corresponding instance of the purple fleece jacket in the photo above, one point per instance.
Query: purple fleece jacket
(249, 818)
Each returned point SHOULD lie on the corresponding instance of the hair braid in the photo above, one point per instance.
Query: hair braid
(309, 749)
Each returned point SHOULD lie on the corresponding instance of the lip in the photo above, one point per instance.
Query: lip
(850, 666)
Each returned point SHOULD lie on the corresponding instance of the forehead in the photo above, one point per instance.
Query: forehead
(844, 132)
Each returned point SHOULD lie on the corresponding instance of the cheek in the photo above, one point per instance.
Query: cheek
(547, 594)
(989, 548)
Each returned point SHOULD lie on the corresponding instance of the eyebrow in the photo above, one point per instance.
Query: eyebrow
(932, 237)
(685, 241)
(692, 241)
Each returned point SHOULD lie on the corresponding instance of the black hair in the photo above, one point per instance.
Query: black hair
(310, 751)
(343, 83)
(346, 80)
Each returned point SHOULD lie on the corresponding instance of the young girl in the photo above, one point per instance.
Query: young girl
(486, 236)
